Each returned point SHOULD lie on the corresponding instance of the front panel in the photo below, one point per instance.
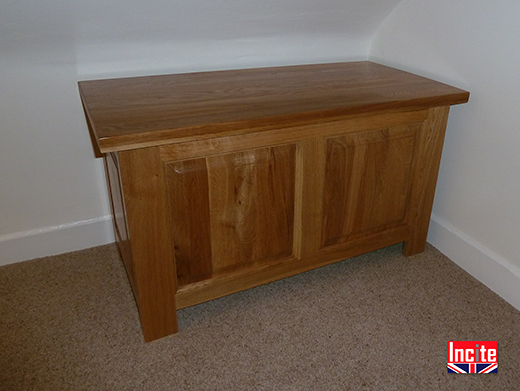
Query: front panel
(231, 212)
(366, 184)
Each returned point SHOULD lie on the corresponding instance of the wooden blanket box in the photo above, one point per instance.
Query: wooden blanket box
(226, 180)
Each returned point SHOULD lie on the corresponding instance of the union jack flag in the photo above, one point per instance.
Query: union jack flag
(472, 368)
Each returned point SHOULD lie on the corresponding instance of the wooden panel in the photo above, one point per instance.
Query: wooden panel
(367, 178)
(144, 191)
(119, 214)
(116, 196)
(252, 207)
(188, 193)
(428, 151)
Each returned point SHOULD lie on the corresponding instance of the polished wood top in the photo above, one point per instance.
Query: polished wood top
(135, 112)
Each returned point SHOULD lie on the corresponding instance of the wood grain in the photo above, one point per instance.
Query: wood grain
(117, 205)
(428, 151)
(215, 146)
(310, 178)
(252, 207)
(128, 113)
(144, 190)
(188, 194)
(244, 279)
(366, 182)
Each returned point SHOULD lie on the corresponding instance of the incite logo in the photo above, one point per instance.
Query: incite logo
(473, 357)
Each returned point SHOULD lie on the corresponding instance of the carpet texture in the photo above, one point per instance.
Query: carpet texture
(375, 322)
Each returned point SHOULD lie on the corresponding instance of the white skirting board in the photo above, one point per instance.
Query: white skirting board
(491, 269)
(60, 239)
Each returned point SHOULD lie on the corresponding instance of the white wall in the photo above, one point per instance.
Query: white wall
(52, 190)
(473, 44)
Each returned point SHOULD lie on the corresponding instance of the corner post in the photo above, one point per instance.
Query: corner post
(427, 157)
(151, 242)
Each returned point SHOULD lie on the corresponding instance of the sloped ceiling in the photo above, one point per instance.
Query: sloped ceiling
(112, 34)
(228, 19)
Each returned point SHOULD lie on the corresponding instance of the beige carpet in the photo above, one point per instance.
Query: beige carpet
(376, 322)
